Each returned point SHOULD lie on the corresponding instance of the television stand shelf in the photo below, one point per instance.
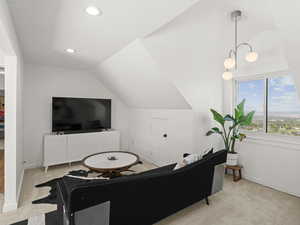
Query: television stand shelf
(67, 148)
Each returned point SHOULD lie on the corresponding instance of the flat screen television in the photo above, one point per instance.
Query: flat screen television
(76, 115)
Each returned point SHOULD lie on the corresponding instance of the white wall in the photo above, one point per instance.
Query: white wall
(184, 52)
(134, 75)
(41, 84)
(178, 55)
(2, 82)
(188, 54)
(267, 159)
(272, 161)
(1, 58)
(13, 109)
(147, 128)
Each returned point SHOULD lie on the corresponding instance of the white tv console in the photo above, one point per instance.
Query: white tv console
(67, 148)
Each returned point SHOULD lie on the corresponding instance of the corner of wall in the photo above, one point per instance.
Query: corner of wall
(19, 190)
(13, 205)
(9, 206)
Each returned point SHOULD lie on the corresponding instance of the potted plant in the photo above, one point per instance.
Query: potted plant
(231, 132)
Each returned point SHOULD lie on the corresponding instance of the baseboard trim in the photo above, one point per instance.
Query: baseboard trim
(142, 157)
(20, 184)
(33, 165)
(275, 187)
(10, 206)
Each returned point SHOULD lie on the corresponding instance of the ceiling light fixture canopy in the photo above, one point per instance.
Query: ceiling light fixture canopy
(93, 11)
(231, 61)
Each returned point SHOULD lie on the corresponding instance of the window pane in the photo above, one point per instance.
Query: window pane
(283, 107)
(253, 92)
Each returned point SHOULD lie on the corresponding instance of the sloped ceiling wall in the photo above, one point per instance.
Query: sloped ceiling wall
(135, 77)
(185, 53)
(189, 51)
(172, 67)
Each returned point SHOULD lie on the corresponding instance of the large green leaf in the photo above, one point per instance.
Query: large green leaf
(216, 130)
(210, 133)
(237, 115)
(248, 119)
(229, 118)
(241, 107)
(235, 136)
(218, 117)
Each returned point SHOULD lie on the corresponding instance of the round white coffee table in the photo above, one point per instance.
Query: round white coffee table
(111, 163)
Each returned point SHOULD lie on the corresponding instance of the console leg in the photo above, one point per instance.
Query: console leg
(46, 169)
(207, 201)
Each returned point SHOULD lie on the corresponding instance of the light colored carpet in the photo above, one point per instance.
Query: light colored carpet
(241, 203)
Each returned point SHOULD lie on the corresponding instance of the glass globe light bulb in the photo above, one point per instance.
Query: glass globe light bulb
(227, 75)
(229, 63)
(251, 56)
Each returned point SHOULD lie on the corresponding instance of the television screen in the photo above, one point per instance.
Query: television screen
(80, 114)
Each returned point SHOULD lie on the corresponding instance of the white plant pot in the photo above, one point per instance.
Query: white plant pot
(232, 159)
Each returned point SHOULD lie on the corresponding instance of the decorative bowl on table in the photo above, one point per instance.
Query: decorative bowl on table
(111, 158)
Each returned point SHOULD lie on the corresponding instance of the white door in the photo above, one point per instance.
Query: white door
(159, 134)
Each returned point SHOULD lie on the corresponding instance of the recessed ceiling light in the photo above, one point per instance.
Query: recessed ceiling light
(70, 50)
(92, 10)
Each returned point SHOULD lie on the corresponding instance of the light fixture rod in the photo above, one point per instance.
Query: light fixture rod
(245, 44)
(230, 53)
(236, 16)
(236, 39)
(232, 61)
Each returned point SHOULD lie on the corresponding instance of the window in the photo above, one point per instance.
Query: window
(253, 92)
(276, 104)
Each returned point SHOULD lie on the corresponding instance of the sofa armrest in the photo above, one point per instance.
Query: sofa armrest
(218, 179)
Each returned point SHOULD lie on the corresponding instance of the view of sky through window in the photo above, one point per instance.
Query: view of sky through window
(254, 93)
(283, 105)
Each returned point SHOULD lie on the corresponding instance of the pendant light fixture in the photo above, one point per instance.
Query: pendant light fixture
(230, 63)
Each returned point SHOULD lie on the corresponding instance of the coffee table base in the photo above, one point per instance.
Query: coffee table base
(111, 174)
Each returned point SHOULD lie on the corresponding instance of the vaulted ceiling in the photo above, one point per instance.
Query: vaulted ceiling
(47, 27)
(182, 41)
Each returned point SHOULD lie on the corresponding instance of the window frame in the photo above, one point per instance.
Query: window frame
(266, 78)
